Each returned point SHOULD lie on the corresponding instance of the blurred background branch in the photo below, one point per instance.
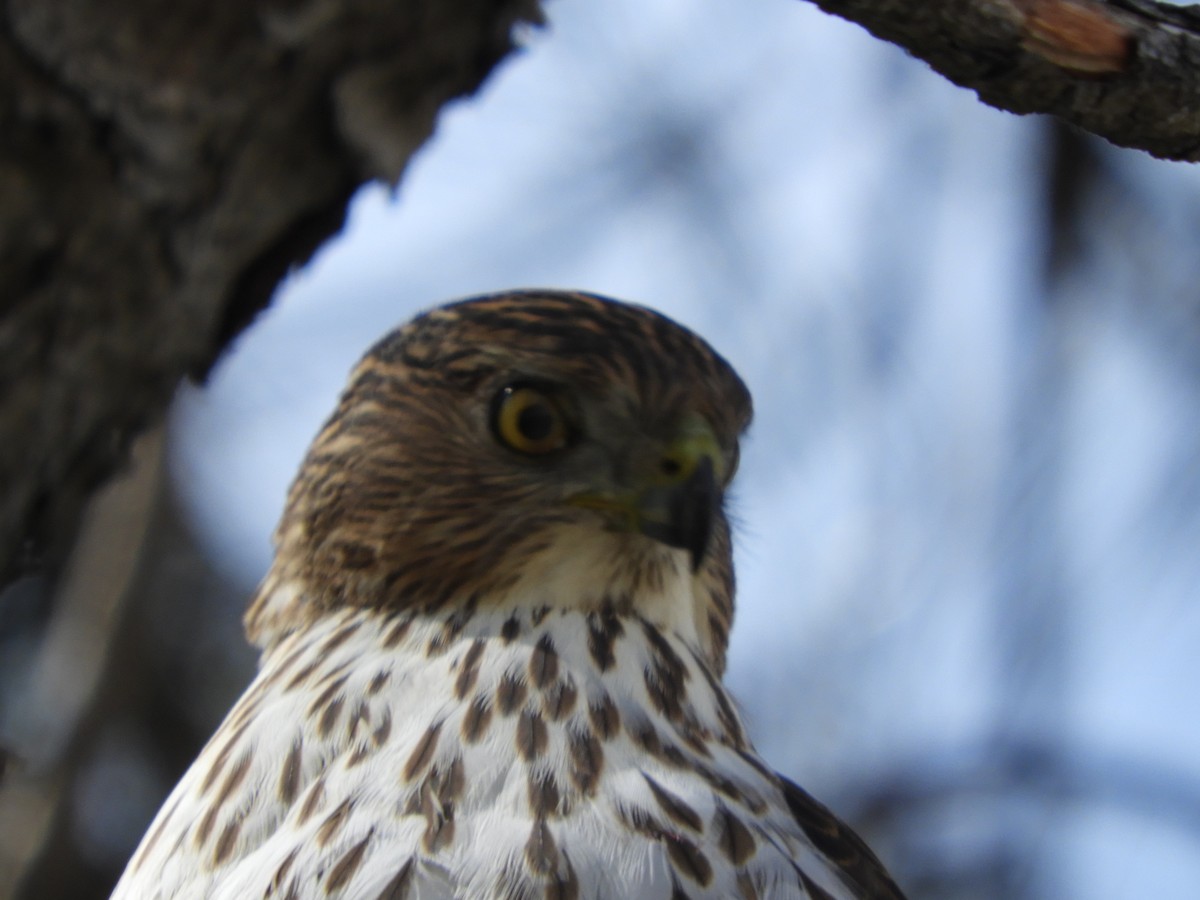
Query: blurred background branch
(53, 725)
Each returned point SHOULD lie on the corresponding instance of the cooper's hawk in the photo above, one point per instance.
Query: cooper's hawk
(493, 640)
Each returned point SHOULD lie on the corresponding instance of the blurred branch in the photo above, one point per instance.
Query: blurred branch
(88, 611)
(1127, 70)
(161, 169)
(915, 803)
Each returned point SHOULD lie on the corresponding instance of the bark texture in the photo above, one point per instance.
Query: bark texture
(1127, 70)
(161, 167)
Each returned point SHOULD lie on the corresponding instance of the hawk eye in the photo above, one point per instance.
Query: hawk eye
(529, 420)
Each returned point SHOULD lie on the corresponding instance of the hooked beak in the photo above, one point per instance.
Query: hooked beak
(677, 504)
(681, 515)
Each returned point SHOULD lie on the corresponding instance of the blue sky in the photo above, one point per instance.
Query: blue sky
(863, 241)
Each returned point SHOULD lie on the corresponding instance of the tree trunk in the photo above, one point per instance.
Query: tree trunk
(161, 168)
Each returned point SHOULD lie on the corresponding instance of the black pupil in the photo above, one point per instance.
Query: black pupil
(536, 422)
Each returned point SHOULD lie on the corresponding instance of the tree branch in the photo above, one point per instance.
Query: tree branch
(1127, 70)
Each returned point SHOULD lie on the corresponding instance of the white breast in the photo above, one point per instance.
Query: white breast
(515, 754)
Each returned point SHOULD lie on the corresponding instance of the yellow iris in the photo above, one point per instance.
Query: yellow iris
(529, 421)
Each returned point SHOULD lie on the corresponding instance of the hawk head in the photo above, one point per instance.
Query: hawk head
(535, 448)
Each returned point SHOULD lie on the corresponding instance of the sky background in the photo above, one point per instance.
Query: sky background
(968, 511)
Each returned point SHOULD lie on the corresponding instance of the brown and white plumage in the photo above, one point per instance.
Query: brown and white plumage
(493, 640)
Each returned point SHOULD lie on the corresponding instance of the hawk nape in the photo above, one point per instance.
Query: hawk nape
(493, 639)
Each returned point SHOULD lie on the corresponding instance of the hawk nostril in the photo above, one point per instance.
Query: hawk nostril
(670, 467)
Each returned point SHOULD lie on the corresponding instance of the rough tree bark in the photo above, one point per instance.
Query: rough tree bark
(161, 167)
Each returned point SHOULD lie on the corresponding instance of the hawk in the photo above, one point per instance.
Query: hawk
(493, 638)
